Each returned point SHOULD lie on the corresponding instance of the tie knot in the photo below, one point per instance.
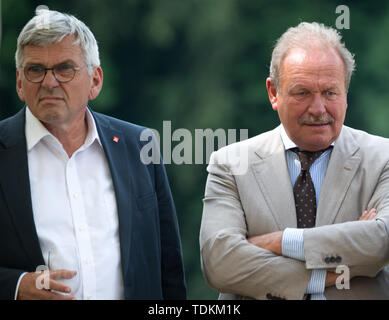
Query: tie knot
(307, 158)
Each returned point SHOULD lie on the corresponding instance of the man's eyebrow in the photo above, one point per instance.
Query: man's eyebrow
(297, 87)
(68, 61)
(304, 87)
(32, 63)
(332, 87)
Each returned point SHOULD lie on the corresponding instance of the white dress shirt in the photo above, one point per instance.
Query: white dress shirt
(75, 211)
(293, 238)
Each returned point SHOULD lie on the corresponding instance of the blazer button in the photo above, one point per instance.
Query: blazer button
(332, 259)
(327, 260)
(269, 296)
(338, 259)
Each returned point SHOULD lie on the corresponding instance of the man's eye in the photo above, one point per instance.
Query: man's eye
(330, 93)
(64, 67)
(35, 69)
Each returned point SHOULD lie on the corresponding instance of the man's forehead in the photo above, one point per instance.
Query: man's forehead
(66, 49)
(295, 56)
(315, 86)
(314, 58)
(302, 66)
(315, 81)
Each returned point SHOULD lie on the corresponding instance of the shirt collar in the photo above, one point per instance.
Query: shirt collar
(36, 131)
(288, 143)
(92, 134)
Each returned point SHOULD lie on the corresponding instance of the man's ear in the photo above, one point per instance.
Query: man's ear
(97, 83)
(19, 88)
(272, 92)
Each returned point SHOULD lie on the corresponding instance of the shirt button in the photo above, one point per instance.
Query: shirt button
(75, 195)
(89, 298)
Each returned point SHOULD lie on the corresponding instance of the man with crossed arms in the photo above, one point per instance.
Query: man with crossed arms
(280, 229)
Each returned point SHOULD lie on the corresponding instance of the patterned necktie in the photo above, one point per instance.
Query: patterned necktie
(304, 190)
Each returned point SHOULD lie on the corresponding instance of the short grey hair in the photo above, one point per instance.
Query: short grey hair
(308, 35)
(48, 27)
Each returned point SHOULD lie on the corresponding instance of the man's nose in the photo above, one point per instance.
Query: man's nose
(317, 105)
(50, 81)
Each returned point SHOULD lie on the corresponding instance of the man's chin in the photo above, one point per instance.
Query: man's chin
(318, 146)
(318, 127)
(50, 114)
(316, 142)
(51, 103)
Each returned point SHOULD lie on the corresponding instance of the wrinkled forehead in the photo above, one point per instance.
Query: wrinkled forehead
(64, 50)
(311, 64)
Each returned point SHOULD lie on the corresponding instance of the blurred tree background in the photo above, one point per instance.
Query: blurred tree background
(203, 64)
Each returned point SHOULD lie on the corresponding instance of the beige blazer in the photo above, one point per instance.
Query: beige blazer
(257, 198)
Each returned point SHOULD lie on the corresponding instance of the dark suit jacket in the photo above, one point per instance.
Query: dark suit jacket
(151, 254)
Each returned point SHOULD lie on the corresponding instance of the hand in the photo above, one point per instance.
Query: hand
(331, 278)
(28, 289)
(368, 215)
(269, 241)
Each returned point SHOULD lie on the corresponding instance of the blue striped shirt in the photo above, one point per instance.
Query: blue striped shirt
(293, 239)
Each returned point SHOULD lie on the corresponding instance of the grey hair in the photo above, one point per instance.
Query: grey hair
(308, 35)
(48, 27)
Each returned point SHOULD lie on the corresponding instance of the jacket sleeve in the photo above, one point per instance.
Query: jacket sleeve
(360, 245)
(8, 281)
(173, 279)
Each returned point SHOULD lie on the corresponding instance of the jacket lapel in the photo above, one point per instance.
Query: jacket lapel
(272, 175)
(15, 183)
(115, 148)
(341, 169)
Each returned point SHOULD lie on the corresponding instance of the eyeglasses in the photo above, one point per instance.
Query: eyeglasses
(63, 72)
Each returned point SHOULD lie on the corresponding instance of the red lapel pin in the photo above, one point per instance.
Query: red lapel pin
(115, 139)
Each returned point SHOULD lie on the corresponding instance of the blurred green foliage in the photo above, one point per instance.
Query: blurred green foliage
(203, 64)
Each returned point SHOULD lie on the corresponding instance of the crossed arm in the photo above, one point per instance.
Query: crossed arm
(273, 242)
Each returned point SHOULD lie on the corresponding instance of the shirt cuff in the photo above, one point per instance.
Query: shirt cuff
(17, 285)
(293, 243)
(317, 282)
(318, 296)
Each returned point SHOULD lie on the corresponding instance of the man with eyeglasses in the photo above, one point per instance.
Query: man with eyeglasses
(74, 194)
